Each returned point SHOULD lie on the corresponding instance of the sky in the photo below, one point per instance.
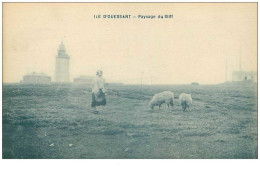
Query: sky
(193, 46)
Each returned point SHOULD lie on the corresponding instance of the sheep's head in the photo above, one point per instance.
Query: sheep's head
(190, 99)
(151, 105)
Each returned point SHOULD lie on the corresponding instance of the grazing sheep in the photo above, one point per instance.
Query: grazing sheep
(160, 98)
(185, 100)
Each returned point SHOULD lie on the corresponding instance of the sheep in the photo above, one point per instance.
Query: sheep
(160, 98)
(185, 100)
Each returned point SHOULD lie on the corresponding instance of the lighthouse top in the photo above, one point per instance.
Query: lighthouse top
(62, 52)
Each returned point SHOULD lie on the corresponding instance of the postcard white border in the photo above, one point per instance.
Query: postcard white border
(215, 167)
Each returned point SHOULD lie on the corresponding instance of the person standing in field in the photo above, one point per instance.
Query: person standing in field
(98, 91)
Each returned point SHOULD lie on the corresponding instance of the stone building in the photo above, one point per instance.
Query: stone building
(244, 76)
(36, 78)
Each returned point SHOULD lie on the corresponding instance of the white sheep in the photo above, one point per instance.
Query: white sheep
(185, 100)
(163, 97)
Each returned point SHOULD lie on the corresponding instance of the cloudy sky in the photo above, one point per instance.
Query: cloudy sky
(193, 46)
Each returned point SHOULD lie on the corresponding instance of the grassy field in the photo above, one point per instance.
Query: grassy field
(53, 121)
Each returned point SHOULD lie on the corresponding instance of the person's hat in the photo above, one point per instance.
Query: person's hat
(99, 73)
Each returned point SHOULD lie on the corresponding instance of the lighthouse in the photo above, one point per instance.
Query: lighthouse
(62, 65)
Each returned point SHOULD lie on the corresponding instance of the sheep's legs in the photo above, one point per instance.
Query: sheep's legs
(95, 111)
(186, 107)
(183, 106)
(171, 103)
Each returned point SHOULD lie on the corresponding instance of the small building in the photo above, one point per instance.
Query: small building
(84, 79)
(195, 83)
(238, 76)
(36, 78)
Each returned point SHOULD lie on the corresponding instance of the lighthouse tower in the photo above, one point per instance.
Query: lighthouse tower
(62, 65)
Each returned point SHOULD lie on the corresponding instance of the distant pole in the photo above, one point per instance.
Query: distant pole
(226, 69)
(240, 60)
(142, 80)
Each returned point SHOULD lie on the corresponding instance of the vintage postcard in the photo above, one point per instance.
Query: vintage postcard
(130, 81)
